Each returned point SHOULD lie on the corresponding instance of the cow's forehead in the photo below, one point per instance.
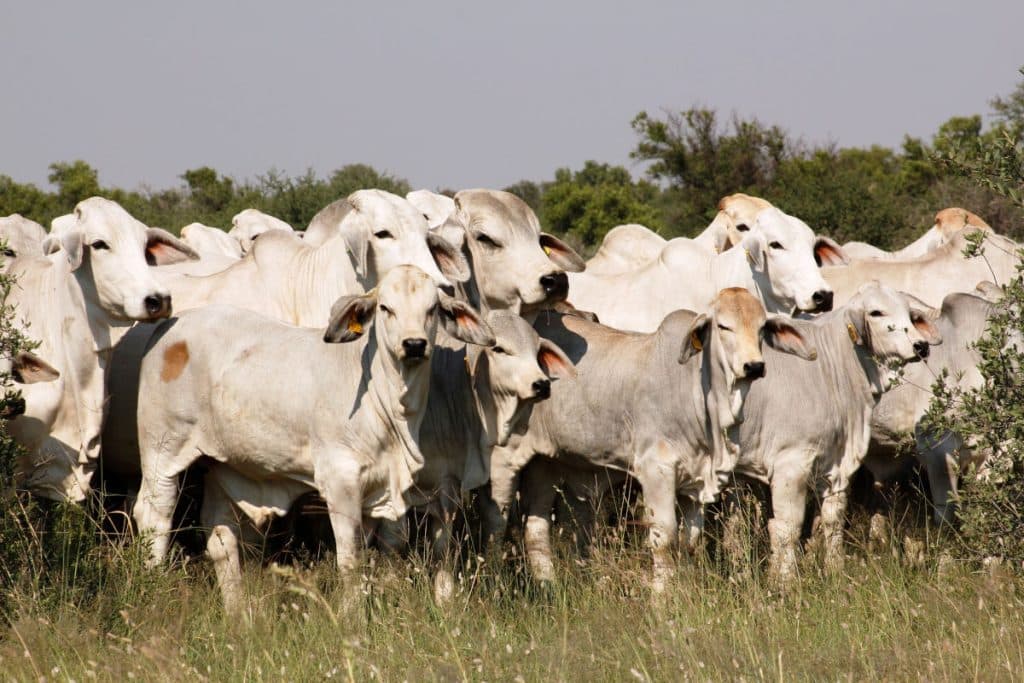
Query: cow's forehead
(102, 216)
(874, 295)
(391, 212)
(741, 207)
(498, 211)
(407, 284)
(774, 224)
(510, 330)
(736, 303)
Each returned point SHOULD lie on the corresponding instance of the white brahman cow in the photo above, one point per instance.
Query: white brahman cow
(281, 412)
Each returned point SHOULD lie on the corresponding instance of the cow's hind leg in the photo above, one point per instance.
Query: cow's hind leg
(220, 517)
(442, 550)
(833, 522)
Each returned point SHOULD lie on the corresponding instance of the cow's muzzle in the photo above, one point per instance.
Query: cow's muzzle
(822, 301)
(414, 349)
(556, 286)
(158, 305)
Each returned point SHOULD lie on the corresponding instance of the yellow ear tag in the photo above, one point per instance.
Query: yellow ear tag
(854, 337)
(355, 327)
(695, 340)
(547, 249)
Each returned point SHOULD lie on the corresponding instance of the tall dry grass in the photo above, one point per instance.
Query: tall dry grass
(95, 613)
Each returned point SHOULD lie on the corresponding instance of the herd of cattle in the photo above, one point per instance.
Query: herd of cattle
(404, 351)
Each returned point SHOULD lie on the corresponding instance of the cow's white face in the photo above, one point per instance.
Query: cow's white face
(516, 372)
(517, 267)
(111, 251)
(249, 224)
(784, 252)
(405, 309)
(21, 237)
(892, 325)
(383, 231)
(737, 214)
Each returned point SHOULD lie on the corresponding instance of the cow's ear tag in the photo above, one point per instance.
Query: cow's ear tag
(355, 327)
(695, 341)
(547, 249)
(854, 337)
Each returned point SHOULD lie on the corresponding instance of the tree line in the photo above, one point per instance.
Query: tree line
(690, 159)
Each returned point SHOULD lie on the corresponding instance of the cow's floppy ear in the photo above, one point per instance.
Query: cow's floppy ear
(561, 254)
(828, 253)
(695, 339)
(782, 335)
(453, 232)
(553, 361)
(28, 368)
(357, 239)
(449, 259)
(163, 248)
(350, 317)
(754, 246)
(71, 242)
(462, 322)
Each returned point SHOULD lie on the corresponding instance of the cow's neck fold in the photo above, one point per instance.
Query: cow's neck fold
(399, 394)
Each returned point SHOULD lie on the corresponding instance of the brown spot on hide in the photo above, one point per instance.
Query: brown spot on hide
(175, 360)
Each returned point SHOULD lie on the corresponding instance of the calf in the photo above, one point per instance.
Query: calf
(807, 424)
(280, 412)
(655, 406)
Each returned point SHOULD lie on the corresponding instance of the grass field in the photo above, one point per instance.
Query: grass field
(94, 613)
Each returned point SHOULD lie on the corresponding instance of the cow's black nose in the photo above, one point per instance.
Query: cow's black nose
(542, 388)
(753, 370)
(158, 305)
(822, 300)
(414, 348)
(922, 349)
(556, 285)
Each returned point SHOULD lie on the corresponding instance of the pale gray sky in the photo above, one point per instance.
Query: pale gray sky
(462, 94)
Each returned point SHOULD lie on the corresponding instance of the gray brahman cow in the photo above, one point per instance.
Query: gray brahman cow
(280, 412)
(961, 322)
(655, 406)
(808, 425)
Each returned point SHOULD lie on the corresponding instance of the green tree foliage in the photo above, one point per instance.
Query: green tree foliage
(587, 203)
(701, 161)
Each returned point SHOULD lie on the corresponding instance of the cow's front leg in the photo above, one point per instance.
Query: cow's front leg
(789, 503)
(338, 478)
(538, 496)
(657, 476)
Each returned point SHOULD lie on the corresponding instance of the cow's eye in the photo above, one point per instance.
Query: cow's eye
(9, 253)
(385, 309)
(383, 235)
(100, 244)
(776, 245)
(487, 240)
(499, 349)
(724, 327)
(876, 314)
(742, 227)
